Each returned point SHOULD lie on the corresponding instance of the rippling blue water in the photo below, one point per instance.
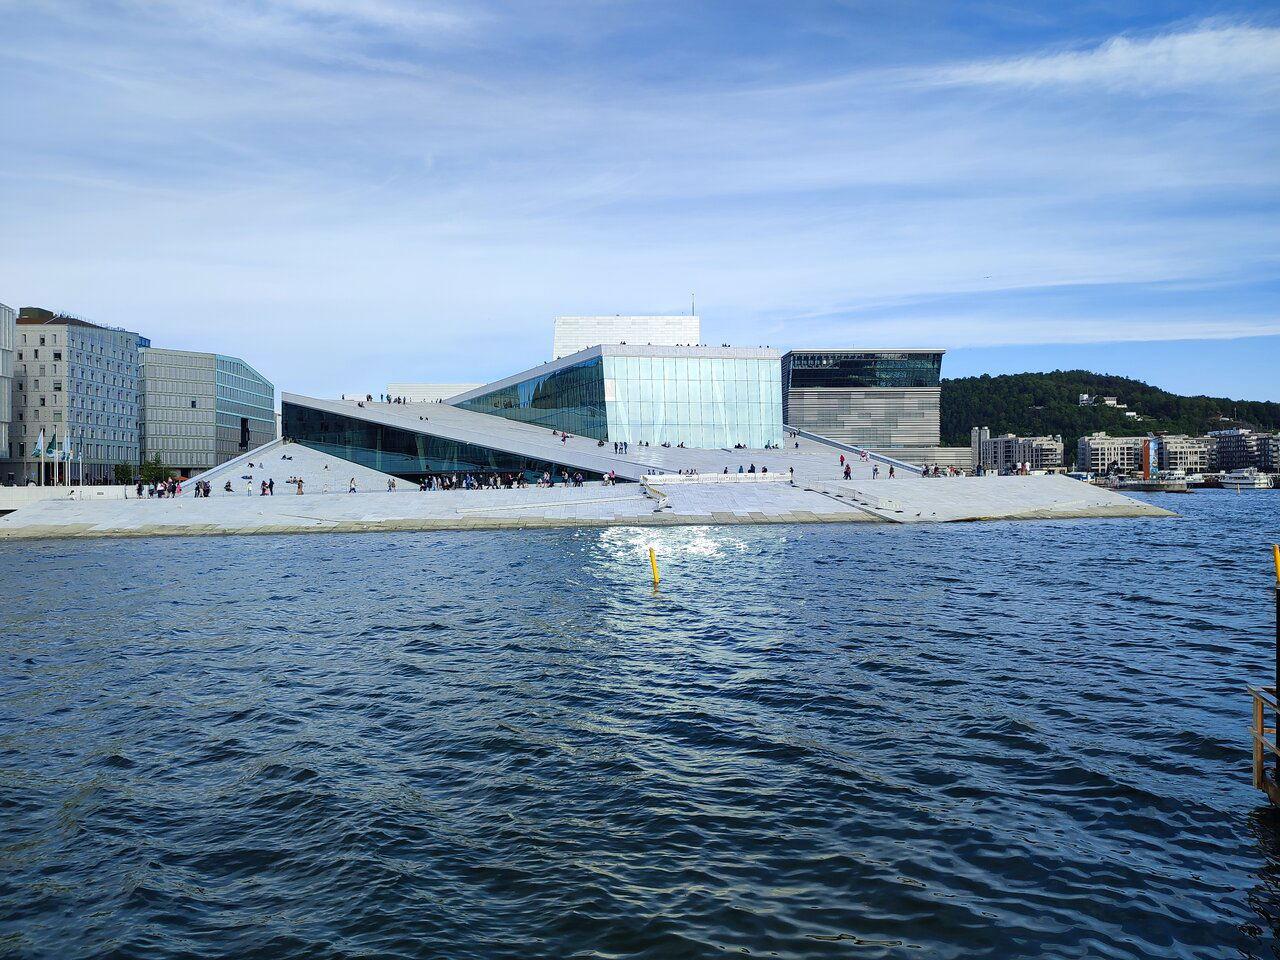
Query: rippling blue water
(987, 740)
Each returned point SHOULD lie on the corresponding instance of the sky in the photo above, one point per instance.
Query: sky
(352, 192)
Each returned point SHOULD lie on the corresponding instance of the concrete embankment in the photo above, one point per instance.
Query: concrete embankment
(905, 501)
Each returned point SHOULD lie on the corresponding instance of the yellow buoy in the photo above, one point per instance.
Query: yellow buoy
(1275, 555)
(653, 563)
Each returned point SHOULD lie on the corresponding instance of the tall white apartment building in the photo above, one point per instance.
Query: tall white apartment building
(1009, 452)
(577, 333)
(1100, 453)
(1189, 454)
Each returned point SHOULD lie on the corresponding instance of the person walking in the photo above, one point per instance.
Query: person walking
(847, 471)
(271, 487)
(891, 471)
(875, 471)
(351, 487)
(299, 481)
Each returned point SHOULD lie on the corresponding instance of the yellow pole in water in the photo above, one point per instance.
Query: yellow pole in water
(653, 563)
(1275, 556)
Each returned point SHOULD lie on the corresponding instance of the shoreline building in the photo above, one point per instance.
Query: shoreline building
(199, 410)
(887, 400)
(1236, 449)
(8, 339)
(1009, 452)
(1188, 454)
(77, 380)
(1099, 453)
(575, 334)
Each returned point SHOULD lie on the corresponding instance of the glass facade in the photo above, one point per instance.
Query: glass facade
(570, 399)
(700, 401)
(245, 410)
(824, 368)
(405, 453)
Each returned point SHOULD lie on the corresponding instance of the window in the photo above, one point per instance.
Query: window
(42, 341)
(193, 404)
(57, 386)
(42, 401)
(57, 354)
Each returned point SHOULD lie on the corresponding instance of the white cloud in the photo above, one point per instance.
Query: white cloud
(1207, 56)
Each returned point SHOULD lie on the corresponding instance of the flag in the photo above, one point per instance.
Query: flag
(66, 447)
(38, 449)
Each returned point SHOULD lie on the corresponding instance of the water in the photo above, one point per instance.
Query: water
(995, 740)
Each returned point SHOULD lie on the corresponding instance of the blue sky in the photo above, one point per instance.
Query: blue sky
(348, 192)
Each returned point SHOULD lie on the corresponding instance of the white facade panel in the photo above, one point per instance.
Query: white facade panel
(578, 333)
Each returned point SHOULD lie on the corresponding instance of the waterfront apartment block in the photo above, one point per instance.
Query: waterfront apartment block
(696, 396)
(202, 409)
(427, 392)
(885, 399)
(574, 334)
(77, 380)
(1188, 454)
(8, 338)
(1009, 453)
(1237, 449)
(1099, 453)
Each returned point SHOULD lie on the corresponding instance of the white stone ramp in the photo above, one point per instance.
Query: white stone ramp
(950, 499)
(280, 460)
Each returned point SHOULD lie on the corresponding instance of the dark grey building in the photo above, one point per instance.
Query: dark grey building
(885, 399)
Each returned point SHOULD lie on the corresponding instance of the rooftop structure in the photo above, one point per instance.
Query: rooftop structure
(573, 334)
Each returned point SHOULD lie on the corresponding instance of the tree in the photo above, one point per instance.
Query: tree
(123, 473)
(154, 470)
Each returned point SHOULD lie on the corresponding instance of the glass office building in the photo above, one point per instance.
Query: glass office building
(699, 396)
(202, 409)
(883, 399)
(405, 453)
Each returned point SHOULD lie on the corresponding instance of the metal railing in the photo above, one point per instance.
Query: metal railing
(1264, 698)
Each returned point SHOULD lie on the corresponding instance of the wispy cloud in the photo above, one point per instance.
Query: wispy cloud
(1208, 56)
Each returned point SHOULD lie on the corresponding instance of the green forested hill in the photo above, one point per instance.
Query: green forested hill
(1036, 404)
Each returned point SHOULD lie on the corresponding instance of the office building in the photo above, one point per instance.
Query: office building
(1236, 449)
(883, 399)
(202, 409)
(1188, 454)
(1100, 453)
(8, 337)
(574, 334)
(1009, 453)
(77, 380)
(425, 392)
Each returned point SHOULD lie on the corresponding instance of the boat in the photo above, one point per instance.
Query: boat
(1246, 478)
